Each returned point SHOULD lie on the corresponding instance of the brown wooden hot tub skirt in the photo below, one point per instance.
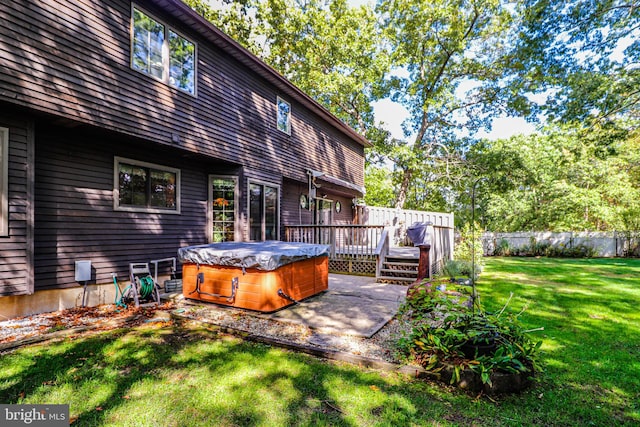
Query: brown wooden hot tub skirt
(257, 289)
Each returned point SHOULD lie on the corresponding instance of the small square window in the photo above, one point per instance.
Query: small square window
(283, 116)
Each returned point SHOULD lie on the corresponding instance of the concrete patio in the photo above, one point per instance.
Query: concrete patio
(353, 305)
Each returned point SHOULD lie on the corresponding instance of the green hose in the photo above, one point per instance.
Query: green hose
(118, 301)
(146, 287)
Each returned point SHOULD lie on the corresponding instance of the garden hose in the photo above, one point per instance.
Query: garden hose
(146, 286)
(118, 301)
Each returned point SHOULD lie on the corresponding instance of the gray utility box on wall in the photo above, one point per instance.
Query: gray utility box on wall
(83, 271)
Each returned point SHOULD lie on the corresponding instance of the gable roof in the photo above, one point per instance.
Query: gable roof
(206, 29)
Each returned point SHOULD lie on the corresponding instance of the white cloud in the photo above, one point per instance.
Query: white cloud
(505, 127)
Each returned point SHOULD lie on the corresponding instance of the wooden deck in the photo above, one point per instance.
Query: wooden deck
(366, 249)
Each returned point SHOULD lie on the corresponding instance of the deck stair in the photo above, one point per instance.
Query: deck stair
(399, 269)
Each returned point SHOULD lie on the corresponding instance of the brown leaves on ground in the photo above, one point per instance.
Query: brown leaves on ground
(103, 317)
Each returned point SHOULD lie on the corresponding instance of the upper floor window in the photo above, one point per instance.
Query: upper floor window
(145, 187)
(162, 53)
(283, 109)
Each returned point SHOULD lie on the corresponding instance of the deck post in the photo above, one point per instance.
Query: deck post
(424, 265)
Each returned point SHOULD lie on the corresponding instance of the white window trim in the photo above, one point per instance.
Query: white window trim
(270, 184)
(278, 101)
(236, 194)
(116, 186)
(165, 53)
(4, 182)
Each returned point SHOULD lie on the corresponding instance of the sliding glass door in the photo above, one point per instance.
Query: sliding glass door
(263, 211)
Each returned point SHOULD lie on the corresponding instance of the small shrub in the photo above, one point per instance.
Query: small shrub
(582, 251)
(503, 248)
(446, 332)
(460, 268)
(538, 248)
(468, 244)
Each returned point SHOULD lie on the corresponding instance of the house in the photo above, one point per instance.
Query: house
(130, 129)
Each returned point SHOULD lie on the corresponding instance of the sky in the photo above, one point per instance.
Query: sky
(393, 114)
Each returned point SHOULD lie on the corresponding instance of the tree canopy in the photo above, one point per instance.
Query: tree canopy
(584, 54)
(556, 181)
(443, 44)
(455, 65)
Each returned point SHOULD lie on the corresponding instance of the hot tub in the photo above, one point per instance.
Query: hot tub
(261, 276)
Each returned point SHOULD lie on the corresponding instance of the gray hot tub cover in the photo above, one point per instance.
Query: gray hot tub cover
(261, 255)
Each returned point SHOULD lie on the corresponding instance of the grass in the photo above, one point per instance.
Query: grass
(182, 375)
(591, 343)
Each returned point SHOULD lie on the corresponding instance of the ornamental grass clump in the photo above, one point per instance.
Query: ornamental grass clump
(450, 334)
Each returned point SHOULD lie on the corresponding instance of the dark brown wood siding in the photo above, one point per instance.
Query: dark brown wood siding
(293, 214)
(16, 274)
(345, 216)
(65, 67)
(72, 59)
(75, 218)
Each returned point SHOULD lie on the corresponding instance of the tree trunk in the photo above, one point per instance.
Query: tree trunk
(404, 188)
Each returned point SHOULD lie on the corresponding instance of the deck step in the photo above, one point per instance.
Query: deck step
(398, 271)
(396, 279)
(401, 264)
(401, 259)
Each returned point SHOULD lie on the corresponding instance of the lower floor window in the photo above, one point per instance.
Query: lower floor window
(263, 211)
(146, 187)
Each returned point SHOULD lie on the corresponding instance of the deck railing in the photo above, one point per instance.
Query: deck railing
(382, 250)
(351, 240)
(361, 249)
(352, 247)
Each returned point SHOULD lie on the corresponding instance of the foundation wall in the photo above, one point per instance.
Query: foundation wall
(60, 299)
(55, 300)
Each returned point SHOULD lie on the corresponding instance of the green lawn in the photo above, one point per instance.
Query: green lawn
(183, 376)
(591, 343)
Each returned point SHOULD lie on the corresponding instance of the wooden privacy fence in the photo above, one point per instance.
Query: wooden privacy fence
(441, 248)
(604, 244)
(390, 217)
